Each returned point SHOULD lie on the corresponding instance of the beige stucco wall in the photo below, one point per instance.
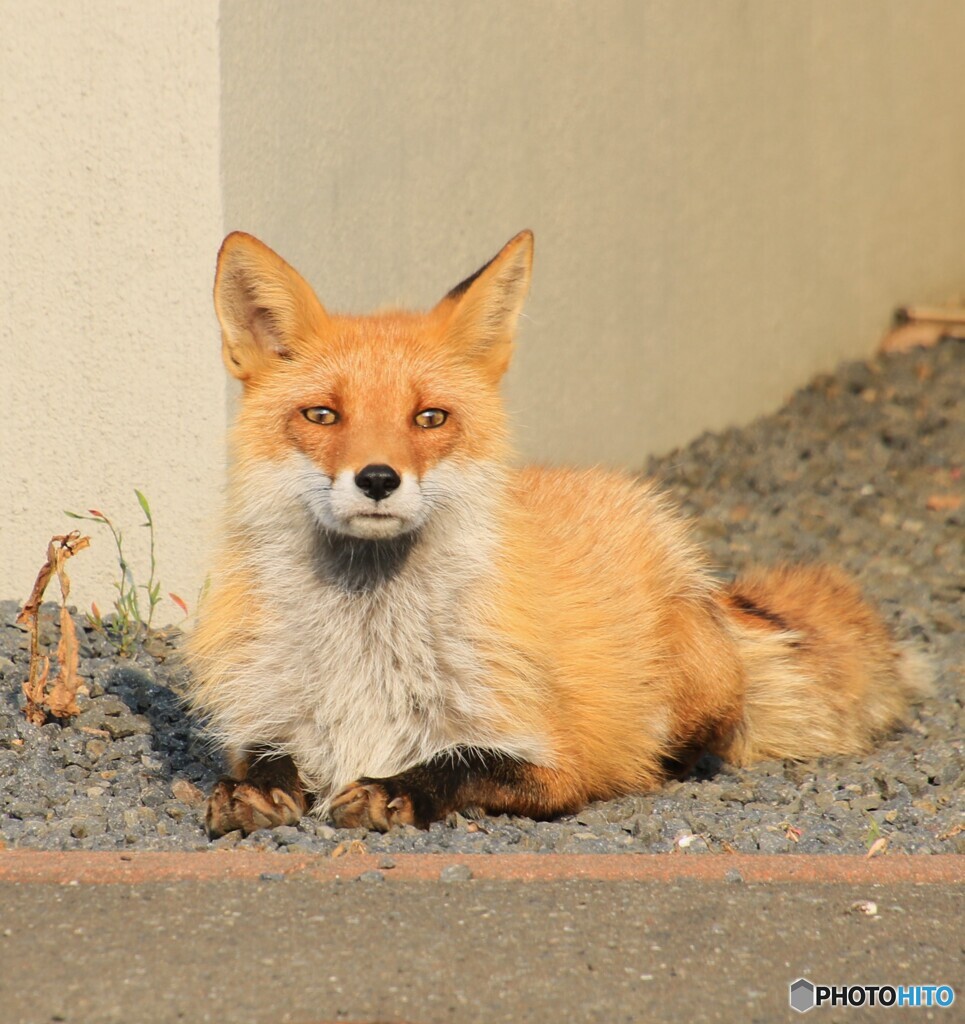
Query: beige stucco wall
(111, 210)
(728, 195)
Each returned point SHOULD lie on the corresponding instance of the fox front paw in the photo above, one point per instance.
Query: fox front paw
(367, 803)
(243, 805)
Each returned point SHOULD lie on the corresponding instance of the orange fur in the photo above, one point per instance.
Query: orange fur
(587, 638)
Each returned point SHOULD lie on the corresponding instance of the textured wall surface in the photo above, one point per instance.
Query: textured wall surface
(110, 378)
(727, 196)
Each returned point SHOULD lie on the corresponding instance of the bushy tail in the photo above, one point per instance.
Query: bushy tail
(823, 673)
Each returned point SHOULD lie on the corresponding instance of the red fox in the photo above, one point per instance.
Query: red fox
(402, 624)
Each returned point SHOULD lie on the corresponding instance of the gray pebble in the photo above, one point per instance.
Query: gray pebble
(286, 834)
(455, 873)
(81, 828)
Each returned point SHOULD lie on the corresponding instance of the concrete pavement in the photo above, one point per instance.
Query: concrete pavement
(373, 946)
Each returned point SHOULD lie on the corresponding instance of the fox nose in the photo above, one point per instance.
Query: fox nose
(377, 481)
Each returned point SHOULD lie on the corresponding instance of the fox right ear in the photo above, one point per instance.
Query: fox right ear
(266, 309)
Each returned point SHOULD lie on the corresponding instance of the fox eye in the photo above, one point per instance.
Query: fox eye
(321, 414)
(429, 418)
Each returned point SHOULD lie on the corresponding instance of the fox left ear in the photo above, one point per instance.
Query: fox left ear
(480, 313)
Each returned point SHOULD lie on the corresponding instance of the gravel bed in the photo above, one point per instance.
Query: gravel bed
(845, 472)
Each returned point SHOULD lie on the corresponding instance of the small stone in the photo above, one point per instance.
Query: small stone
(187, 793)
(11, 828)
(269, 876)
(126, 725)
(372, 876)
(80, 828)
(285, 835)
(733, 876)
(227, 841)
(110, 705)
(865, 803)
(455, 873)
(867, 907)
(95, 748)
(740, 794)
(772, 842)
(153, 796)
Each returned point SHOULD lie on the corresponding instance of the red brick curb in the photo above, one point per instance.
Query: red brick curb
(108, 868)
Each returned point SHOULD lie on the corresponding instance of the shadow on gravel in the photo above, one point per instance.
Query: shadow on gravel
(136, 703)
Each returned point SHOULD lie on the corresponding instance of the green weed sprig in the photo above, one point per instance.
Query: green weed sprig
(128, 623)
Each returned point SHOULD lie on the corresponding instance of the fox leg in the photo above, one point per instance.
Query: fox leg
(268, 793)
(453, 781)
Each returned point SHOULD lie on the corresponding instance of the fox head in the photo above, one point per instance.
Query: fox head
(380, 419)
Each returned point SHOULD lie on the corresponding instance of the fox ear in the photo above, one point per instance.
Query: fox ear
(480, 314)
(265, 308)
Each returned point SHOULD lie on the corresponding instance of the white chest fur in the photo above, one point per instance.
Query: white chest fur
(367, 681)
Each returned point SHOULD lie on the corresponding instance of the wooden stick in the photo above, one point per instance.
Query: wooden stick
(931, 314)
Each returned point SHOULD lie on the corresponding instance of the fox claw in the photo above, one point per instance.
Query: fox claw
(366, 804)
(281, 798)
(241, 805)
